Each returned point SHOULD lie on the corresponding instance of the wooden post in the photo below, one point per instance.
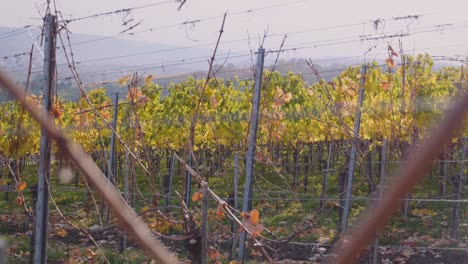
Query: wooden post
(383, 167)
(188, 182)
(232, 254)
(204, 229)
(126, 196)
(458, 190)
(296, 165)
(307, 159)
(3, 247)
(171, 180)
(236, 180)
(325, 175)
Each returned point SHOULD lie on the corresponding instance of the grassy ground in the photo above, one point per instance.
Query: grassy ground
(284, 210)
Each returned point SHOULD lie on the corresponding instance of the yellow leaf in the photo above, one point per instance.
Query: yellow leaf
(279, 92)
(323, 239)
(21, 186)
(148, 79)
(124, 80)
(255, 216)
(423, 212)
(144, 209)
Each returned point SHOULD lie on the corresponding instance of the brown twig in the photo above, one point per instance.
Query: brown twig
(412, 172)
(72, 66)
(127, 218)
(273, 68)
(82, 230)
(182, 3)
(208, 78)
(16, 178)
(224, 205)
(134, 85)
(92, 197)
(332, 103)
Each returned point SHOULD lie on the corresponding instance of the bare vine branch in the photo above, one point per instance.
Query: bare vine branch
(127, 218)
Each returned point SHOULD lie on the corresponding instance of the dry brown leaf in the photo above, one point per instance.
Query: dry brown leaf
(19, 200)
(213, 254)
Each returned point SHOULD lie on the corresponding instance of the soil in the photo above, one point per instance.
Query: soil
(280, 252)
(293, 253)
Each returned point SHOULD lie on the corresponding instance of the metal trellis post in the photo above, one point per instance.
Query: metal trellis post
(188, 181)
(352, 161)
(252, 143)
(112, 164)
(42, 206)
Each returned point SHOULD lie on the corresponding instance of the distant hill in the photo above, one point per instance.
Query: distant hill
(88, 54)
(104, 48)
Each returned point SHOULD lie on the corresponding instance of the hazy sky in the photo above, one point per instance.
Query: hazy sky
(279, 16)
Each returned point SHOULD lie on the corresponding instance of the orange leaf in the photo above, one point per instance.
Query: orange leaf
(21, 186)
(220, 212)
(61, 233)
(213, 254)
(385, 86)
(197, 196)
(56, 111)
(255, 216)
(390, 62)
(244, 215)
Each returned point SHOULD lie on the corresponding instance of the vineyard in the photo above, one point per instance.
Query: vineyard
(234, 170)
(302, 157)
